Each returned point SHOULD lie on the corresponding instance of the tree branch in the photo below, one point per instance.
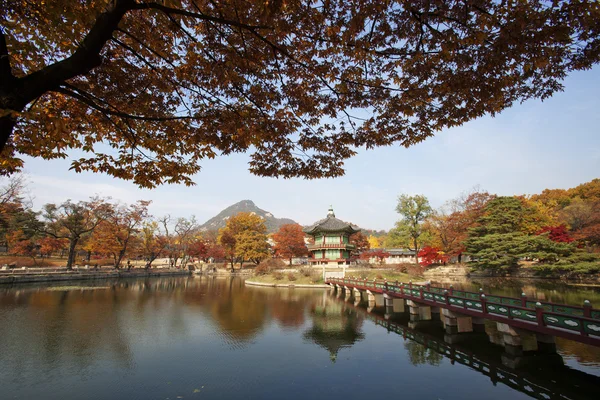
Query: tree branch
(84, 59)
(197, 15)
(5, 70)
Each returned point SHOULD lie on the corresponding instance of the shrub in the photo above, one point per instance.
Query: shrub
(262, 269)
(379, 276)
(291, 277)
(278, 276)
(272, 263)
(306, 271)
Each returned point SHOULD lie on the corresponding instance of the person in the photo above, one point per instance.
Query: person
(128, 265)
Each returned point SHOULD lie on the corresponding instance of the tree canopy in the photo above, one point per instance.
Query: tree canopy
(146, 90)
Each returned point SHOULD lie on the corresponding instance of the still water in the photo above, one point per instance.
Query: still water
(214, 338)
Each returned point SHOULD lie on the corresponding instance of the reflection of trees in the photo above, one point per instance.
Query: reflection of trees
(84, 324)
(334, 326)
(419, 354)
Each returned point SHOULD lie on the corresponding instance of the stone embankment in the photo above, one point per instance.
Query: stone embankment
(451, 270)
(55, 275)
(287, 285)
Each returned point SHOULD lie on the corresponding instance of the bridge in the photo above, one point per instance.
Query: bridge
(554, 381)
(524, 324)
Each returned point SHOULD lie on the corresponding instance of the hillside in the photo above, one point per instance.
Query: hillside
(219, 220)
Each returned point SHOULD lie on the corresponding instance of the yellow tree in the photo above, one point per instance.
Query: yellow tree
(244, 237)
(170, 83)
(373, 242)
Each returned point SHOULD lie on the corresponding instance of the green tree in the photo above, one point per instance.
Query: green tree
(413, 210)
(499, 251)
(501, 239)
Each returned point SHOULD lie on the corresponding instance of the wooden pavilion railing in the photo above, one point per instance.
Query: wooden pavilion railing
(563, 320)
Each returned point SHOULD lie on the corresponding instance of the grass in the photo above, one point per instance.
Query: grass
(300, 279)
(383, 274)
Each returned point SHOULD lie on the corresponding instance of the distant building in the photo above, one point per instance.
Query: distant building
(331, 241)
(396, 256)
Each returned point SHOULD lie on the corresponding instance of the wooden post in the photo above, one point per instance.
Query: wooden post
(587, 309)
(451, 290)
(410, 284)
(446, 297)
(421, 293)
(523, 300)
(483, 304)
(539, 312)
(428, 286)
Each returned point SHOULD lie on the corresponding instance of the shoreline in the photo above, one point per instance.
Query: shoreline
(287, 285)
(6, 279)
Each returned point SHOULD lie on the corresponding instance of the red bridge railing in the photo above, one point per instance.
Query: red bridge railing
(581, 321)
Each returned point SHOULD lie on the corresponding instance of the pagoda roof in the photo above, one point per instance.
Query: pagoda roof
(331, 224)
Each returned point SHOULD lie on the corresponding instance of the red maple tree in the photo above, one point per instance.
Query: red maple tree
(432, 255)
(557, 233)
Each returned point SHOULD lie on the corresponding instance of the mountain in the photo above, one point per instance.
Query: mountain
(219, 220)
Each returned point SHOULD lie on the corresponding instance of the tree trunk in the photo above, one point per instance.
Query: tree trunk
(416, 251)
(72, 245)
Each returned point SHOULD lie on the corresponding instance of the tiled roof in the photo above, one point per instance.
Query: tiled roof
(331, 224)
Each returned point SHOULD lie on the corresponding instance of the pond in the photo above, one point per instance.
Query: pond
(214, 338)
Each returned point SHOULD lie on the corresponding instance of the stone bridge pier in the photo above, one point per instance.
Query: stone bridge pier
(522, 347)
(418, 311)
(357, 296)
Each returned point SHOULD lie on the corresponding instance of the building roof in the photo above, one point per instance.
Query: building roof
(331, 224)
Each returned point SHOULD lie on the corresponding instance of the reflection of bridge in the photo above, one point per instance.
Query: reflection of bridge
(564, 383)
(518, 320)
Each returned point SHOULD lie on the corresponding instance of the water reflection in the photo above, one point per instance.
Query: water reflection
(159, 338)
(334, 326)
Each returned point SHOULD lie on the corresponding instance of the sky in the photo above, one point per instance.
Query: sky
(523, 150)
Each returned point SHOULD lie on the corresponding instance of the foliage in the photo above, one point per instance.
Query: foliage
(360, 242)
(449, 226)
(557, 233)
(251, 246)
(289, 242)
(500, 251)
(49, 245)
(152, 242)
(169, 84)
(262, 269)
(430, 255)
(268, 265)
(244, 238)
(116, 234)
(21, 245)
(378, 254)
(374, 243)
(413, 210)
(72, 221)
(277, 275)
(291, 276)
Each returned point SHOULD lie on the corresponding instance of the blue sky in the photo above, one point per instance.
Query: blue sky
(532, 146)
